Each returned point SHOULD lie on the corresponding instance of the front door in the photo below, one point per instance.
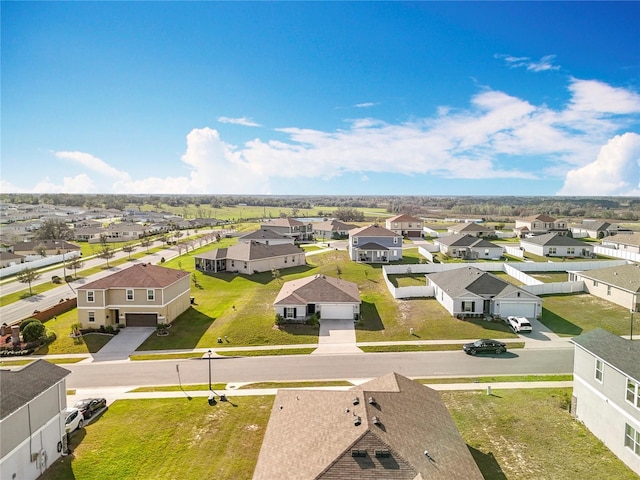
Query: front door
(311, 308)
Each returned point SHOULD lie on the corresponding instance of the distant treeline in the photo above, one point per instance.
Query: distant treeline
(495, 208)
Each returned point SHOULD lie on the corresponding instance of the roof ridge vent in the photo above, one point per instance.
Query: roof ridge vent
(372, 401)
(376, 421)
(357, 421)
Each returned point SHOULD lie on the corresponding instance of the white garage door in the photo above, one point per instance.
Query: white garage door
(527, 310)
(336, 311)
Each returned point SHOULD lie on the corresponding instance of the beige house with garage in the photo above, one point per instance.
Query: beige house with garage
(143, 295)
(619, 285)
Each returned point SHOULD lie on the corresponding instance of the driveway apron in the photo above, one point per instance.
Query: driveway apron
(123, 344)
(336, 337)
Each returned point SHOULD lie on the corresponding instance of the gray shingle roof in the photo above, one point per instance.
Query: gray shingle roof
(311, 435)
(626, 277)
(17, 387)
(469, 227)
(317, 289)
(554, 239)
(332, 226)
(262, 234)
(371, 246)
(403, 218)
(470, 280)
(619, 352)
(252, 250)
(464, 240)
(372, 231)
(625, 239)
(283, 222)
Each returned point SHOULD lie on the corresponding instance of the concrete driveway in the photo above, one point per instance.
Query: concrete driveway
(123, 344)
(336, 337)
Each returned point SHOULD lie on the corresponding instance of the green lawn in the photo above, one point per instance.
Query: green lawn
(182, 438)
(61, 325)
(573, 314)
(551, 277)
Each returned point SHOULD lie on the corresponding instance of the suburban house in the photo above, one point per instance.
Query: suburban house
(539, 224)
(290, 227)
(266, 236)
(331, 229)
(331, 298)
(8, 258)
(374, 244)
(626, 243)
(117, 232)
(143, 295)
(387, 428)
(619, 285)
(606, 392)
(250, 257)
(556, 245)
(405, 225)
(471, 228)
(471, 292)
(32, 414)
(595, 229)
(468, 247)
(48, 247)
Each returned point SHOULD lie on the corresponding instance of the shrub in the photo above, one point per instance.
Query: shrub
(27, 322)
(313, 320)
(56, 279)
(279, 319)
(108, 329)
(33, 331)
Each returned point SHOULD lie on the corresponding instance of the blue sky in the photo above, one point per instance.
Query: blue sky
(421, 98)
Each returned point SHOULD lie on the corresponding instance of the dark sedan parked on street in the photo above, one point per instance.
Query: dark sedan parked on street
(485, 345)
(89, 406)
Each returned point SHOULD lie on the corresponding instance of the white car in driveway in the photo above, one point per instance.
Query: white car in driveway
(74, 419)
(519, 324)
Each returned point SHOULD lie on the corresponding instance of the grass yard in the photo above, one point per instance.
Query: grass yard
(182, 439)
(573, 314)
(529, 434)
(551, 277)
(61, 325)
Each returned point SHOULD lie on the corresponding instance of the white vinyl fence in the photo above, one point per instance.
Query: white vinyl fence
(613, 252)
(42, 262)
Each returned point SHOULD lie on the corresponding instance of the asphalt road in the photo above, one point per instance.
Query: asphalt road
(317, 367)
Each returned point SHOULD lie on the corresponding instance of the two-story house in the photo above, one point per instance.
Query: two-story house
(606, 392)
(331, 229)
(290, 227)
(405, 225)
(143, 295)
(374, 244)
(267, 237)
(471, 228)
(32, 414)
(540, 224)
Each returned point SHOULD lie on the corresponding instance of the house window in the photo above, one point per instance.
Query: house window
(608, 289)
(599, 370)
(289, 312)
(285, 259)
(468, 306)
(91, 296)
(92, 317)
(395, 240)
(552, 250)
(571, 250)
(633, 393)
(595, 284)
(129, 294)
(632, 438)
(151, 295)
(355, 240)
(246, 264)
(233, 263)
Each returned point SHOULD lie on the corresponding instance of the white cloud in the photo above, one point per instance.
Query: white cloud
(592, 96)
(247, 122)
(93, 163)
(365, 105)
(616, 170)
(542, 65)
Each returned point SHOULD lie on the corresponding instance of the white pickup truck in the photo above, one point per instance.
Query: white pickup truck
(519, 324)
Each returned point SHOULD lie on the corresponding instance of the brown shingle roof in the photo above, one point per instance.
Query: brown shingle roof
(403, 218)
(317, 289)
(143, 275)
(311, 435)
(282, 222)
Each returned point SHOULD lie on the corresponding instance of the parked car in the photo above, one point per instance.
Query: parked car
(89, 406)
(73, 420)
(485, 345)
(519, 324)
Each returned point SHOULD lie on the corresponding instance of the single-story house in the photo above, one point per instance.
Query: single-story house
(374, 244)
(471, 228)
(49, 247)
(390, 428)
(469, 247)
(619, 285)
(331, 229)
(290, 227)
(471, 292)
(606, 392)
(142, 295)
(596, 229)
(117, 232)
(32, 414)
(556, 245)
(540, 224)
(266, 236)
(8, 258)
(331, 298)
(626, 243)
(405, 225)
(250, 257)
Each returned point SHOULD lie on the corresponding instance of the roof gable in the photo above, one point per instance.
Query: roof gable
(142, 275)
(318, 289)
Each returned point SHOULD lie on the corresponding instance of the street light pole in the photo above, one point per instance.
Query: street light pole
(209, 359)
